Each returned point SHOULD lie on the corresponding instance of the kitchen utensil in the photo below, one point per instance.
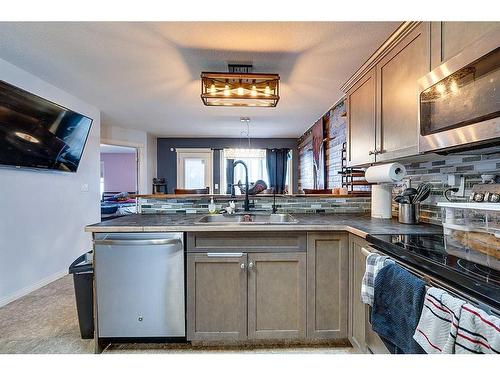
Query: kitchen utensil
(409, 193)
(423, 193)
(422, 197)
(400, 199)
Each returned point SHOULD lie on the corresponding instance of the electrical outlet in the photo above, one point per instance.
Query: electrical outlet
(84, 188)
(454, 181)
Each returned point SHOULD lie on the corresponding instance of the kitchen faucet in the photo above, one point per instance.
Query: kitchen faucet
(246, 206)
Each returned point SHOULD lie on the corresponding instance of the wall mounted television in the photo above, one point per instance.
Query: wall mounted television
(37, 133)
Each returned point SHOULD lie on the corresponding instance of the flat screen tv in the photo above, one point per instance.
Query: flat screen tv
(37, 133)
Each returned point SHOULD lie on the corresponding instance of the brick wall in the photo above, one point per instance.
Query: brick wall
(335, 126)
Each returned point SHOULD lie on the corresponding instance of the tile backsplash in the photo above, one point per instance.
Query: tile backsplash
(437, 171)
(290, 204)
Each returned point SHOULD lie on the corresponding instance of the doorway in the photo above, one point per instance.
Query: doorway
(194, 168)
(119, 170)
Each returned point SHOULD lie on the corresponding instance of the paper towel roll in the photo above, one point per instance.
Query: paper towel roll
(391, 172)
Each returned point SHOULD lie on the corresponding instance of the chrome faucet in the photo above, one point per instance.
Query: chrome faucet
(246, 206)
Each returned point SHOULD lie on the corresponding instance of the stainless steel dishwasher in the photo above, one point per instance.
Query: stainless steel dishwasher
(139, 284)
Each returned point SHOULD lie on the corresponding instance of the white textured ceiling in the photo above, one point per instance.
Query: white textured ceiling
(146, 75)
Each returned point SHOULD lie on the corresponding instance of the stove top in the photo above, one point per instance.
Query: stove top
(427, 251)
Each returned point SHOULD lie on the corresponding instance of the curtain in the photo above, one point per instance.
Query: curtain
(277, 162)
(229, 175)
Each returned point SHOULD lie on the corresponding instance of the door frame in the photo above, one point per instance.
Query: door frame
(182, 153)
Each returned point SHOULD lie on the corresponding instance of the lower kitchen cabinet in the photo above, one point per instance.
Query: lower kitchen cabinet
(276, 295)
(216, 297)
(239, 292)
(327, 285)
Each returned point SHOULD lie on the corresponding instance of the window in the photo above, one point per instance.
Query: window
(255, 159)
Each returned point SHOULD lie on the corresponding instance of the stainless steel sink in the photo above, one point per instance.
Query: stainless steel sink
(251, 218)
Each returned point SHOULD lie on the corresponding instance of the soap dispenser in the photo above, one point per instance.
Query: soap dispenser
(211, 206)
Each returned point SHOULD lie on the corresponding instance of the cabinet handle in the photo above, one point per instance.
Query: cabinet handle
(242, 266)
(225, 255)
(372, 152)
(250, 265)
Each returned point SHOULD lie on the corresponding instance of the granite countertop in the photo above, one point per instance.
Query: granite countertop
(358, 224)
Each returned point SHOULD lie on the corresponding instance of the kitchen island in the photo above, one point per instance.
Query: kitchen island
(245, 283)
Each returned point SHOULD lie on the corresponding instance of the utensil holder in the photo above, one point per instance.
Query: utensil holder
(409, 213)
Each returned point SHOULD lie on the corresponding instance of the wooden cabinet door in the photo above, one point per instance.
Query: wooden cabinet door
(357, 310)
(217, 297)
(450, 38)
(276, 295)
(397, 90)
(327, 285)
(361, 100)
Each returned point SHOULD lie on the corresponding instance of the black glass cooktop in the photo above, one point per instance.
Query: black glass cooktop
(427, 252)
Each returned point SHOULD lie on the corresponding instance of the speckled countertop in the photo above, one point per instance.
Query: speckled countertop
(358, 224)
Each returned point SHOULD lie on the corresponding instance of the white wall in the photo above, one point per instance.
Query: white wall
(152, 162)
(144, 142)
(43, 214)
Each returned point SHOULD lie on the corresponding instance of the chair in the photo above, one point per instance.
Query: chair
(193, 191)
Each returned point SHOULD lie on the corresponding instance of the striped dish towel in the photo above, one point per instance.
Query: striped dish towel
(374, 263)
(478, 332)
(437, 327)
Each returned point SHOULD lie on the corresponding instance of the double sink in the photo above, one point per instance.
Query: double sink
(248, 218)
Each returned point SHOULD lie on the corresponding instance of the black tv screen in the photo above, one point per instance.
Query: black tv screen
(38, 133)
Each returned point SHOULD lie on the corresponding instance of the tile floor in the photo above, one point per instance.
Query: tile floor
(45, 321)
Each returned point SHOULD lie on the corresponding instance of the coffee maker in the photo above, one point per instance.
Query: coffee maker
(159, 186)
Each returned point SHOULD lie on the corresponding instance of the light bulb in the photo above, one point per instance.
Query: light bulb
(454, 87)
(212, 89)
(226, 91)
(267, 91)
(441, 88)
(240, 91)
(254, 91)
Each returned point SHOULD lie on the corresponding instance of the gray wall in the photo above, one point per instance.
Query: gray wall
(43, 213)
(167, 161)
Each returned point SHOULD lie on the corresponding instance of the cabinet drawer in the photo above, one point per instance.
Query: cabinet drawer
(247, 242)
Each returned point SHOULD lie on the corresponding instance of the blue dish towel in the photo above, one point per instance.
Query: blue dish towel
(397, 305)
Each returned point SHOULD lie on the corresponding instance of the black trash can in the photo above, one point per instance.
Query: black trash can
(83, 273)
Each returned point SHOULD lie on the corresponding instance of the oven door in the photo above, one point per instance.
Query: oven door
(460, 100)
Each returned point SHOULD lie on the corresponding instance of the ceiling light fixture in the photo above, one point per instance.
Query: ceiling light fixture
(240, 88)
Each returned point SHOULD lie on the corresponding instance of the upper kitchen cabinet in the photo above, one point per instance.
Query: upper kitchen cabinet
(382, 98)
(361, 113)
(450, 38)
(397, 95)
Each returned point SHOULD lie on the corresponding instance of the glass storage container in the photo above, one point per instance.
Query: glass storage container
(472, 232)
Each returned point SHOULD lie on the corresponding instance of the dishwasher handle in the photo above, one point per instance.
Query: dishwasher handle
(153, 241)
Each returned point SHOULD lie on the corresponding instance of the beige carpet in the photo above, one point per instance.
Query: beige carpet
(45, 321)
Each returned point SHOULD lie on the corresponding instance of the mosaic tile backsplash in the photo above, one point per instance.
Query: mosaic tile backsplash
(285, 205)
(436, 172)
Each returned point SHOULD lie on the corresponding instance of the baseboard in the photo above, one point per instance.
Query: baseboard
(24, 291)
